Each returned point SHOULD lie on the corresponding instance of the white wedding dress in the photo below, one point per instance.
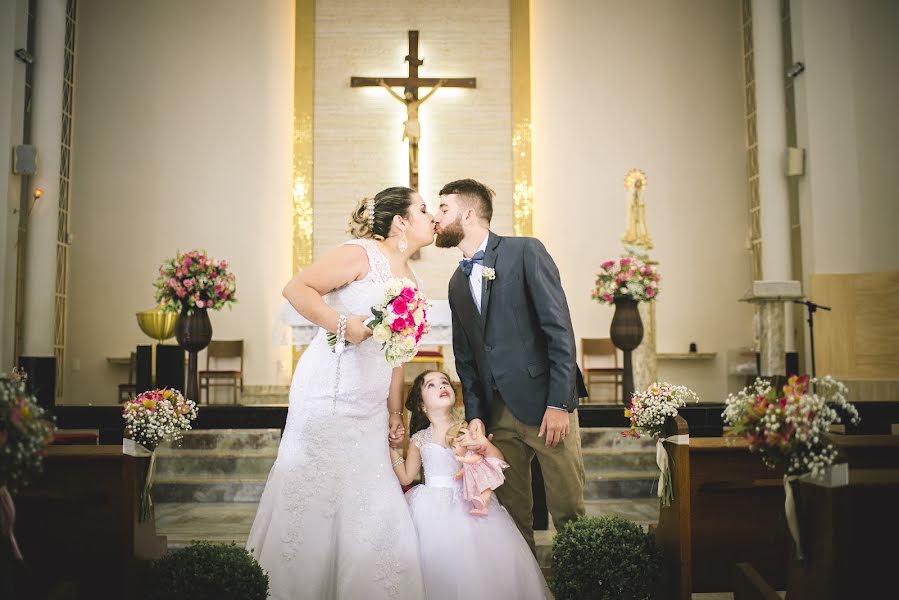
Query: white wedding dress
(332, 521)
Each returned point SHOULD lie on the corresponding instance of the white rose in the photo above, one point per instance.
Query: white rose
(381, 333)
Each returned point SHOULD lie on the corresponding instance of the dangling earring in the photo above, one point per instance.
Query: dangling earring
(403, 243)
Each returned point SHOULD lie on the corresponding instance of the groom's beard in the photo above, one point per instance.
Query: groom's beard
(451, 235)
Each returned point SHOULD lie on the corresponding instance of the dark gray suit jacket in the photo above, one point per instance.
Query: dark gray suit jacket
(522, 341)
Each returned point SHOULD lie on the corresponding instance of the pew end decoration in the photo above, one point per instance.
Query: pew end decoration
(650, 412)
(788, 428)
(25, 431)
(154, 417)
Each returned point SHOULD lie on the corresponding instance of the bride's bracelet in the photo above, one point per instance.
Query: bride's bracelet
(398, 461)
(341, 334)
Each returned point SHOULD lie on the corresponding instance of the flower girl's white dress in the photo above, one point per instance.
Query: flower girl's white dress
(332, 523)
(463, 556)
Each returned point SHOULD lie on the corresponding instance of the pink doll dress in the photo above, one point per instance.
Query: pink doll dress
(484, 475)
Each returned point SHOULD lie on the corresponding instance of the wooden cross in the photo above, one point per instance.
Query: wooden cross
(410, 98)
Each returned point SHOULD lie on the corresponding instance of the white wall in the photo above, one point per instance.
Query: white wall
(846, 119)
(658, 86)
(182, 140)
(357, 132)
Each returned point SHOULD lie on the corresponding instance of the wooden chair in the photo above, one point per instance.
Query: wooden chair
(127, 391)
(209, 378)
(599, 360)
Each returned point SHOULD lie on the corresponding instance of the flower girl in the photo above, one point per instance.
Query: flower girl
(462, 556)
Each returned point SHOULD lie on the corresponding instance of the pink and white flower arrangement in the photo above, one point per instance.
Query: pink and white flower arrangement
(25, 430)
(151, 418)
(627, 277)
(158, 416)
(788, 426)
(400, 321)
(650, 409)
(193, 281)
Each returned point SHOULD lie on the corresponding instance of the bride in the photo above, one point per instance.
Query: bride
(332, 521)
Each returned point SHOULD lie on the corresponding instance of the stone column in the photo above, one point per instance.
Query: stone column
(771, 296)
(771, 125)
(645, 362)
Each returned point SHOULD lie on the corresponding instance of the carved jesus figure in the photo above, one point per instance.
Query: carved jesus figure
(412, 126)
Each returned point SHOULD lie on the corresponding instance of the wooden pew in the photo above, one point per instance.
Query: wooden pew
(728, 508)
(849, 527)
(77, 526)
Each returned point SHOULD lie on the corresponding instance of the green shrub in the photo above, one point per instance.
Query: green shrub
(205, 571)
(605, 558)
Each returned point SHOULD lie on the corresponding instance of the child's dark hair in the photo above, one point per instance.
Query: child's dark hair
(415, 404)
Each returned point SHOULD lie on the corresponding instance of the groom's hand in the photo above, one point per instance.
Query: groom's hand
(554, 426)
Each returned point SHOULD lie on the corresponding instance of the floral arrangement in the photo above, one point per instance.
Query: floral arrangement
(193, 280)
(627, 277)
(787, 426)
(399, 321)
(154, 417)
(25, 430)
(650, 409)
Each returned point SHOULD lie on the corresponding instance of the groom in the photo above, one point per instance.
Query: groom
(515, 354)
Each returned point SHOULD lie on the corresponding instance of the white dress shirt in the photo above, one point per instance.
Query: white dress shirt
(477, 274)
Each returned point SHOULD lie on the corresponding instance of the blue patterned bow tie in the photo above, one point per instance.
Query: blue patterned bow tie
(467, 264)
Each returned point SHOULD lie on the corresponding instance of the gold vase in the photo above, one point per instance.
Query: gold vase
(157, 324)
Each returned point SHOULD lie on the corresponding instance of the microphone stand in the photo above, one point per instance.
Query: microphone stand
(812, 307)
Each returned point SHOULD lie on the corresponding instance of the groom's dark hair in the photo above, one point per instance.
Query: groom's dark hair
(475, 194)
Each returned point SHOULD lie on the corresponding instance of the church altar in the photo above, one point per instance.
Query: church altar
(290, 327)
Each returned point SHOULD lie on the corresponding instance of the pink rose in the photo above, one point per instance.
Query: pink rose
(410, 321)
(625, 261)
(180, 292)
(650, 292)
(200, 304)
(607, 297)
(399, 306)
(408, 294)
(607, 264)
(398, 324)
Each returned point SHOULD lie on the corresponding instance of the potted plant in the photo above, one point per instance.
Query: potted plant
(207, 571)
(191, 284)
(787, 427)
(605, 558)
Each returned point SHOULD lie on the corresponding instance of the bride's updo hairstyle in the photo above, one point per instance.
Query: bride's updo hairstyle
(373, 216)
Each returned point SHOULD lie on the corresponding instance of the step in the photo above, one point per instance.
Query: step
(223, 522)
(611, 437)
(212, 488)
(603, 485)
(606, 459)
(217, 462)
(224, 439)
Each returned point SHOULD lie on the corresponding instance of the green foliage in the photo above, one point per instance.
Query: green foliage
(205, 571)
(605, 558)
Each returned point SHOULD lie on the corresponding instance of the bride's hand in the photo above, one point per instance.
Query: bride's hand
(356, 329)
(397, 431)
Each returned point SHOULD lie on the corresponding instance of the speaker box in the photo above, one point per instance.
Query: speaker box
(41, 371)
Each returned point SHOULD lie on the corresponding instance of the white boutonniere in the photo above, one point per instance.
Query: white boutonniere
(488, 273)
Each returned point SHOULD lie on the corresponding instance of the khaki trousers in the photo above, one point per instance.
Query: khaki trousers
(562, 468)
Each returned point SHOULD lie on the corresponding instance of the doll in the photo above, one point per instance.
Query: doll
(480, 474)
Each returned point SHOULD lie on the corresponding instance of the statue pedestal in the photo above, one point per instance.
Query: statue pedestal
(770, 296)
(645, 359)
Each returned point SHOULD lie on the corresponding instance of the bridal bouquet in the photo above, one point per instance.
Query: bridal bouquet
(787, 426)
(627, 277)
(193, 280)
(399, 321)
(154, 417)
(25, 430)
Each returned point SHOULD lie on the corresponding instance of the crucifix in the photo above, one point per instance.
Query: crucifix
(412, 127)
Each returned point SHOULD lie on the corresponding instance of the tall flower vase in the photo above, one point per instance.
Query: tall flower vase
(626, 332)
(193, 332)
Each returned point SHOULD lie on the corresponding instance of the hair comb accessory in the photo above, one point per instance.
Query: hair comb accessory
(370, 209)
